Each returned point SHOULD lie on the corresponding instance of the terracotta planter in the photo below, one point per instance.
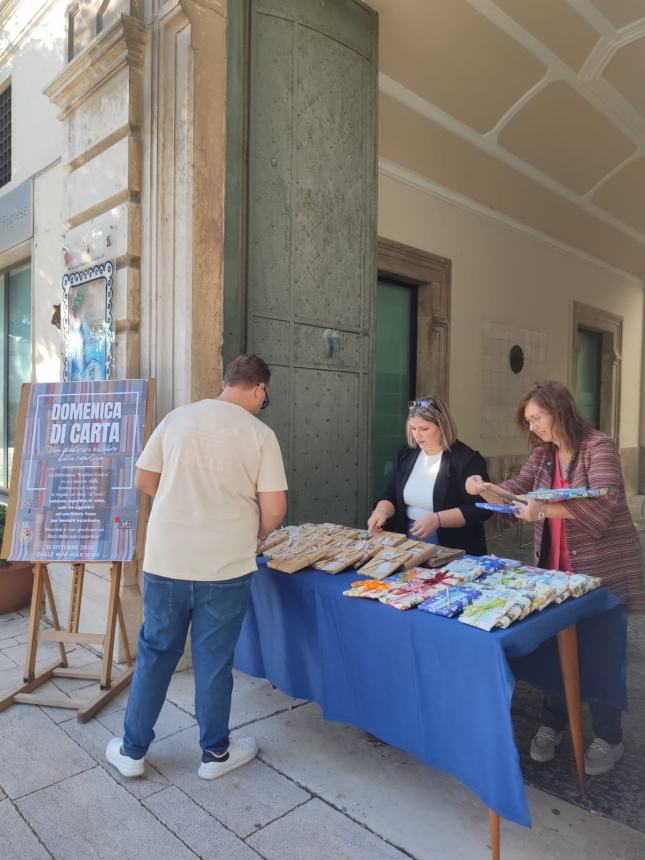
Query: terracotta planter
(16, 580)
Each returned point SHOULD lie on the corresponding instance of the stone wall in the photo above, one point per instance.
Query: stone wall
(143, 112)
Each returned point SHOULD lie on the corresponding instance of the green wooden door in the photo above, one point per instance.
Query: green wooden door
(394, 376)
(588, 373)
(312, 240)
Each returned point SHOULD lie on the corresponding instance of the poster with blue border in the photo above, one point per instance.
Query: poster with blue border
(76, 498)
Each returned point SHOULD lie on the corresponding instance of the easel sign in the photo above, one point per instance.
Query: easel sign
(73, 499)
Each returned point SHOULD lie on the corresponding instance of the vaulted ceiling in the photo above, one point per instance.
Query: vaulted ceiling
(535, 108)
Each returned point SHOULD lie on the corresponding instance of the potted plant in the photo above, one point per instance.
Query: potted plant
(16, 577)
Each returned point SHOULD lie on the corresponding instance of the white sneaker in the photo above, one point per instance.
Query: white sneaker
(601, 756)
(123, 763)
(544, 743)
(240, 750)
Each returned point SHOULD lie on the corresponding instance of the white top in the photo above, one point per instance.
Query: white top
(214, 458)
(419, 489)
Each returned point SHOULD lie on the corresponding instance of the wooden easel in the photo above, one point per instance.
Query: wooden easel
(61, 668)
(42, 586)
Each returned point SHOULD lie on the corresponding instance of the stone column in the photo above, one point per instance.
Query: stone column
(100, 98)
(144, 108)
(183, 202)
(183, 194)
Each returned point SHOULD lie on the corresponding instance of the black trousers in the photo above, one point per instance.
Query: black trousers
(604, 719)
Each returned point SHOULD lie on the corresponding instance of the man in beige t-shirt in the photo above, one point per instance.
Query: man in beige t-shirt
(218, 481)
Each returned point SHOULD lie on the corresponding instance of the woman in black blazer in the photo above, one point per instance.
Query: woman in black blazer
(425, 497)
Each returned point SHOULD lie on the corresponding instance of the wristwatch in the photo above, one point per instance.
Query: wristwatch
(541, 514)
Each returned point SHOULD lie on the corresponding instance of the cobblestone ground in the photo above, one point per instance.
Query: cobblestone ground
(318, 790)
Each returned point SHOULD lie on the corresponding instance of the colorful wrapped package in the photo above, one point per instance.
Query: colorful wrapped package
(450, 601)
(464, 569)
(518, 605)
(565, 494)
(490, 563)
(486, 592)
(517, 578)
(413, 573)
(371, 588)
(425, 574)
(488, 609)
(509, 563)
(402, 598)
(557, 580)
(507, 572)
(497, 507)
(542, 591)
(581, 583)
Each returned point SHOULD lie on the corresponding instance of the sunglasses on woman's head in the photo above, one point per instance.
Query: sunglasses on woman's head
(427, 403)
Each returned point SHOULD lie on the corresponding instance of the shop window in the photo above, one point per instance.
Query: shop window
(5, 135)
(15, 356)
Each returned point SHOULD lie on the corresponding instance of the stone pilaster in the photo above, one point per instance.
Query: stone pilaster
(183, 194)
(99, 95)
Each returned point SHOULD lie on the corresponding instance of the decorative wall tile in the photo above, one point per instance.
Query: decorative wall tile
(501, 388)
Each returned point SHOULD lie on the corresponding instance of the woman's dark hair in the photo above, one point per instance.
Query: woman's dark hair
(556, 399)
(246, 371)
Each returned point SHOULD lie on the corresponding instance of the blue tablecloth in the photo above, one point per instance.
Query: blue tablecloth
(431, 686)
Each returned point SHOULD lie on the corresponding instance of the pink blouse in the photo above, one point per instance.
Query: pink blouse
(559, 550)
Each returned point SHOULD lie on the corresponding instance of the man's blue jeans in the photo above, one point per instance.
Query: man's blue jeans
(214, 611)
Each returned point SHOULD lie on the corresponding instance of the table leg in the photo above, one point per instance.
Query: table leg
(568, 649)
(493, 823)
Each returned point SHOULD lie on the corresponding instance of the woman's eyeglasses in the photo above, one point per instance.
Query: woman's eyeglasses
(427, 403)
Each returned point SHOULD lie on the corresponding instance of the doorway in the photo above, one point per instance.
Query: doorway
(595, 374)
(300, 235)
(394, 375)
(588, 375)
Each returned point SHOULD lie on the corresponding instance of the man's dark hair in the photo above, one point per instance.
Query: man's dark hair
(246, 371)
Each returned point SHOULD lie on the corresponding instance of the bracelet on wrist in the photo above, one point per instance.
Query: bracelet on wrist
(436, 513)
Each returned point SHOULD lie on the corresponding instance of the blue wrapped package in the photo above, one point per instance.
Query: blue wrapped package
(490, 563)
(464, 569)
(498, 507)
(450, 602)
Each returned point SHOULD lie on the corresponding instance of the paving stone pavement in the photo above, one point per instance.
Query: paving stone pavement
(318, 790)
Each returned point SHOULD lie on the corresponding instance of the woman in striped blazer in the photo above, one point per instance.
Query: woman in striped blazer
(594, 536)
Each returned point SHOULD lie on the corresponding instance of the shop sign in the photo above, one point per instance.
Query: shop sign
(16, 216)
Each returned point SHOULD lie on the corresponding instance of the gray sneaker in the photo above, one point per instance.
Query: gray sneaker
(544, 743)
(601, 757)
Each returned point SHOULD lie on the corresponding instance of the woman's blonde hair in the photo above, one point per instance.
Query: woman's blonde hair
(433, 409)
